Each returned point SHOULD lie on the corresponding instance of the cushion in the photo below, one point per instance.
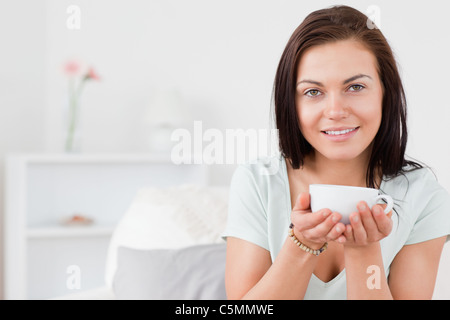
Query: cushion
(195, 272)
(195, 214)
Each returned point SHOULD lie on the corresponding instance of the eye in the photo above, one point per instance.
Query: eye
(356, 87)
(313, 93)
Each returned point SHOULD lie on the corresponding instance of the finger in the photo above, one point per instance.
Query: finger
(305, 221)
(383, 206)
(341, 239)
(389, 214)
(336, 232)
(382, 220)
(359, 233)
(348, 233)
(302, 202)
(324, 228)
(367, 219)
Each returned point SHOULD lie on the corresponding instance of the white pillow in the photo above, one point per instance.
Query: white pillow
(191, 273)
(169, 218)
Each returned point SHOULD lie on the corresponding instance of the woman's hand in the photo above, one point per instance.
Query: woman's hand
(367, 226)
(315, 228)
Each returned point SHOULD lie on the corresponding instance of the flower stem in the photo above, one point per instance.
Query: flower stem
(73, 114)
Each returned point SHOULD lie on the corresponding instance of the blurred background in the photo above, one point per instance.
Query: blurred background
(158, 65)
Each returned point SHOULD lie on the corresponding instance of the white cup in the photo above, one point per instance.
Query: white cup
(344, 199)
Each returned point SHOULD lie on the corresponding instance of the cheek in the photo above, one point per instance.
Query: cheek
(371, 115)
(308, 115)
(308, 120)
(368, 108)
(376, 112)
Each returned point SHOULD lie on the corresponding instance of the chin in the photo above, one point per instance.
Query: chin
(342, 155)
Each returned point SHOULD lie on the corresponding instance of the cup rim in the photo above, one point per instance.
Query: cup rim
(340, 186)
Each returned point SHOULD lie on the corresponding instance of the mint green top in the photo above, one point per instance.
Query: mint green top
(259, 211)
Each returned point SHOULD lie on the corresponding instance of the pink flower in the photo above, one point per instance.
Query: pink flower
(92, 74)
(72, 67)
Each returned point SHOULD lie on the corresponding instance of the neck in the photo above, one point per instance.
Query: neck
(350, 172)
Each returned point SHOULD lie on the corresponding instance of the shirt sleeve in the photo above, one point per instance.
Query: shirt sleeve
(434, 218)
(247, 215)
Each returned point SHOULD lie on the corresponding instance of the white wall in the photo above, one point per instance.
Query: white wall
(22, 89)
(221, 56)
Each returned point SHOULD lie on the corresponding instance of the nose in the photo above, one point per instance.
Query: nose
(335, 108)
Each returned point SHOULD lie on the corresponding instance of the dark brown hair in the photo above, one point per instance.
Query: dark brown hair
(329, 25)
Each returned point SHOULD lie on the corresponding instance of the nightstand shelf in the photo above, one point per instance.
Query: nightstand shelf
(68, 232)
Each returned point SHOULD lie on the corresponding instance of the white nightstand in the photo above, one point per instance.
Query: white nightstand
(41, 190)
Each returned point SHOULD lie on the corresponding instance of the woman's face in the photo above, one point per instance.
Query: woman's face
(339, 99)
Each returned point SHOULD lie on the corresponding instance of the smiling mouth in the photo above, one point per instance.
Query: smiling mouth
(339, 132)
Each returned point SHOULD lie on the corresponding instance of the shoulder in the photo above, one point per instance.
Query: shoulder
(422, 201)
(418, 191)
(413, 182)
(261, 170)
(258, 178)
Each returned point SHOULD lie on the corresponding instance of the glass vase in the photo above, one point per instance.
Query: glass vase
(72, 128)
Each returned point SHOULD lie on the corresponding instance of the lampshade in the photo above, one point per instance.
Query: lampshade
(167, 108)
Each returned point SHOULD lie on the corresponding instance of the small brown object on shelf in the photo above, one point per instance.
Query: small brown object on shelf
(77, 219)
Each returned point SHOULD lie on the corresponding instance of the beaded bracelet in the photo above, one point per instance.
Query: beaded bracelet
(315, 252)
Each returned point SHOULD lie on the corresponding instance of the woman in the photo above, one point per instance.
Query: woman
(341, 114)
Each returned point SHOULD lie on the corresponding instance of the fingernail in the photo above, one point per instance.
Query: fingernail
(338, 230)
(355, 218)
(335, 218)
(325, 213)
(362, 207)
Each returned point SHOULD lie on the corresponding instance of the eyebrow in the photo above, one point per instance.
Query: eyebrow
(358, 76)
